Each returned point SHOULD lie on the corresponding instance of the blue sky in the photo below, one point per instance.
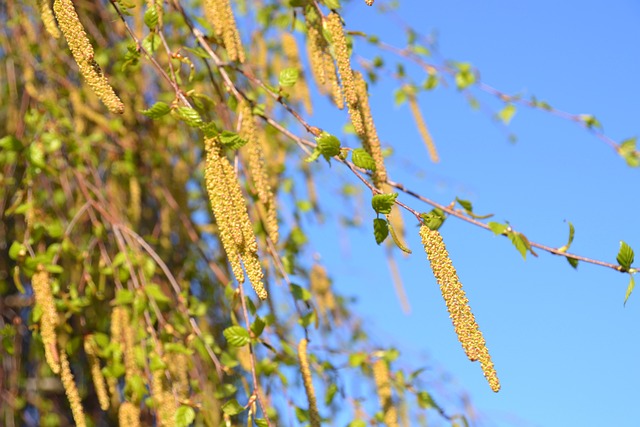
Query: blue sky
(565, 348)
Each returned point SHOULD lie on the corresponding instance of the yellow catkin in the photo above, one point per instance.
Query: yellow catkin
(369, 135)
(129, 415)
(343, 62)
(83, 54)
(129, 341)
(258, 171)
(230, 210)
(460, 313)
(383, 386)
(301, 90)
(320, 285)
(422, 128)
(134, 200)
(99, 383)
(71, 390)
(244, 357)
(116, 337)
(178, 364)
(49, 319)
(166, 404)
(314, 416)
(220, 14)
(48, 19)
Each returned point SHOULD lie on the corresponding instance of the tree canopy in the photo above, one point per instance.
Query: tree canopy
(159, 166)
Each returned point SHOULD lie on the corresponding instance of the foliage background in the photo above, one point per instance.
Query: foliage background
(559, 338)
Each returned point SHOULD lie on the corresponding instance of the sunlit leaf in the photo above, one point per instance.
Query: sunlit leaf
(236, 336)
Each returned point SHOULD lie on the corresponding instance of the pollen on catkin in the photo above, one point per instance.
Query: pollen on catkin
(83, 54)
(220, 14)
(71, 390)
(49, 319)
(314, 415)
(48, 19)
(460, 313)
(422, 128)
(129, 415)
(369, 134)
(99, 383)
(230, 210)
(383, 386)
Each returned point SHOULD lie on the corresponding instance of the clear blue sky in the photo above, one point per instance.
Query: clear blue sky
(566, 349)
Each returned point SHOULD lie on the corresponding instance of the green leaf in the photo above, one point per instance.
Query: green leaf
(425, 401)
(625, 256)
(232, 407)
(632, 284)
(362, 159)
(257, 327)
(288, 77)
(382, 203)
(232, 140)
(466, 205)
(380, 229)
(465, 76)
(573, 262)
(328, 145)
(313, 157)
(261, 422)
(434, 219)
(498, 228)
(185, 415)
(572, 232)
(300, 293)
(151, 43)
(330, 393)
(431, 82)
(520, 242)
(236, 336)
(400, 97)
(16, 249)
(151, 17)
(123, 296)
(506, 114)
(627, 149)
(332, 4)
(154, 292)
(189, 116)
(590, 121)
(157, 110)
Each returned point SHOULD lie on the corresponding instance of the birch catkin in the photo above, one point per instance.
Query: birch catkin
(220, 14)
(83, 54)
(99, 383)
(314, 416)
(48, 19)
(460, 313)
(383, 385)
(71, 390)
(422, 128)
(49, 319)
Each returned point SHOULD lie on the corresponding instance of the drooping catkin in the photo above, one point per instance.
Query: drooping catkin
(71, 390)
(49, 319)
(314, 415)
(422, 128)
(343, 61)
(83, 54)
(129, 415)
(164, 400)
(178, 364)
(460, 313)
(320, 285)
(383, 386)
(258, 171)
(230, 210)
(116, 338)
(48, 19)
(369, 135)
(220, 14)
(99, 383)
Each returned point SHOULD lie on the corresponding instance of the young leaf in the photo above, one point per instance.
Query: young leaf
(154, 292)
(627, 149)
(382, 203)
(506, 114)
(189, 116)
(151, 17)
(313, 157)
(328, 145)
(380, 229)
(573, 262)
(434, 219)
(632, 284)
(232, 140)
(362, 159)
(625, 256)
(288, 77)
(300, 293)
(498, 228)
(232, 407)
(257, 326)
(572, 232)
(236, 336)
(157, 110)
(185, 415)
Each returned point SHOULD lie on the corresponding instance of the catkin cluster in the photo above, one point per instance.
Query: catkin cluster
(230, 211)
(383, 385)
(314, 416)
(258, 172)
(460, 313)
(49, 319)
(322, 64)
(422, 128)
(220, 14)
(369, 135)
(83, 54)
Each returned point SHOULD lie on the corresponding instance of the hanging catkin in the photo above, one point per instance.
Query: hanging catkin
(314, 416)
(460, 313)
(422, 128)
(49, 319)
(82, 52)
(71, 390)
(383, 386)
(220, 14)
